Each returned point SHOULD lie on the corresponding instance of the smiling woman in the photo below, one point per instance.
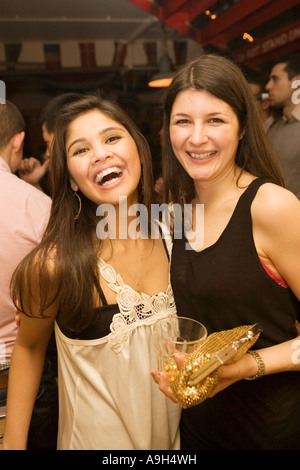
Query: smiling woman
(247, 269)
(205, 134)
(109, 175)
(102, 296)
(105, 164)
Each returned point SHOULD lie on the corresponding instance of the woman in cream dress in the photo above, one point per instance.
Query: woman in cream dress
(102, 293)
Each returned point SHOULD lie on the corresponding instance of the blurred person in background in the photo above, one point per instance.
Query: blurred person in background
(284, 133)
(34, 170)
(24, 214)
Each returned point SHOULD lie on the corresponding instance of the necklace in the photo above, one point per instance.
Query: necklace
(123, 263)
(136, 278)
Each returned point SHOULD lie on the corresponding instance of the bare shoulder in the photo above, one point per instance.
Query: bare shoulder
(275, 205)
(276, 232)
(273, 198)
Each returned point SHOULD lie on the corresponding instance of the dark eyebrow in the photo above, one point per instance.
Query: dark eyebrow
(216, 113)
(102, 132)
(76, 142)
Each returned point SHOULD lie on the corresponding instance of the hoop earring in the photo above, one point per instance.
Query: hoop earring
(79, 210)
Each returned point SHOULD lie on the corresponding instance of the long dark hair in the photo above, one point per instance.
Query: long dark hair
(63, 269)
(223, 79)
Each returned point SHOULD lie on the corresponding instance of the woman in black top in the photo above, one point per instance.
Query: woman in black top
(247, 268)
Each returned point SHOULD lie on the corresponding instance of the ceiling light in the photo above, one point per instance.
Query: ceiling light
(165, 75)
(248, 37)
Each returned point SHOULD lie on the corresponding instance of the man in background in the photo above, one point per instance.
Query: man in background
(284, 133)
(24, 213)
(34, 170)
(257, 86)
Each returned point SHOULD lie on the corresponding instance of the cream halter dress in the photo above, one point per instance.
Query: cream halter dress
(107, 397)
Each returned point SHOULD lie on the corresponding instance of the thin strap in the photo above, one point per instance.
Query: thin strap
(242, 209)
(166, 238)
(114, 280)
(242, 212)
(102, 296)
(134, 308)
(250, 193)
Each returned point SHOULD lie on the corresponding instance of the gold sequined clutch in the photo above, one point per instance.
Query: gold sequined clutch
(198, 377)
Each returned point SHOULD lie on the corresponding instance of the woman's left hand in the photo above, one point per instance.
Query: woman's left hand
(239, 370)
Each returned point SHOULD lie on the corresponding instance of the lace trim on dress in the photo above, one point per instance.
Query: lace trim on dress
(135, 309)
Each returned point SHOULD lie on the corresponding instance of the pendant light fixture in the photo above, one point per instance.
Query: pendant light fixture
(165, 74)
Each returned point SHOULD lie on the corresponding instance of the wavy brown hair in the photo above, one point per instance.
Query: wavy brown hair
(62, 269)
(222, 78)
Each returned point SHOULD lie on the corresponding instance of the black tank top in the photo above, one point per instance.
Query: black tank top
(225, 286)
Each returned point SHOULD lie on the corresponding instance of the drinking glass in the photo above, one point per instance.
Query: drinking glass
(174, 339)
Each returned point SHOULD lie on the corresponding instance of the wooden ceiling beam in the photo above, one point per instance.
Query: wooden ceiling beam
(231, 17)
(171, 7)
(192, 8)
(181, 19)
(148, 6)
(268, 12)
(178, 14)
(242, 17)
(274, 55)
(280, 38)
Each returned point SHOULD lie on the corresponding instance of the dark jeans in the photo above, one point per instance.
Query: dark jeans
(44, 422)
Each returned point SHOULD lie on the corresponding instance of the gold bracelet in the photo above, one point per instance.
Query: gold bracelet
(261, 366)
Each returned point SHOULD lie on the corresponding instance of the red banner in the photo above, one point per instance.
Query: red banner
(272, 42)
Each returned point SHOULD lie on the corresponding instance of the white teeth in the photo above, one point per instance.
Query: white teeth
(110, 181)
(107, 171)
(202, 156)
